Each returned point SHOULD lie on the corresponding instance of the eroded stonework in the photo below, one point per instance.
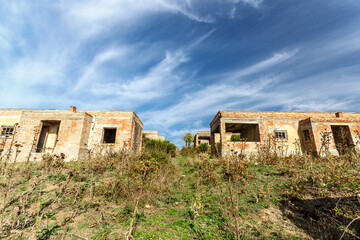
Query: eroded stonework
(201, 137)
(153, 135)
(71, 132)
(316, 133)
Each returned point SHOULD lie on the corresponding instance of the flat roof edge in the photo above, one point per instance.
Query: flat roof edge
(283, 111)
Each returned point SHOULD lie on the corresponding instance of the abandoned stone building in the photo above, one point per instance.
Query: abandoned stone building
(71, 132)
(201, 137)
(315, 133)
(153, 135)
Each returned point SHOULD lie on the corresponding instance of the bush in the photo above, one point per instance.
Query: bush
(235, 138)
(52, 162)
(152, 172)
(160, 145)
(154, 156)
(188, 151)
(203, 147)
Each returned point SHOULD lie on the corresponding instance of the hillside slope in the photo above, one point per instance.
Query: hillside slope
(186, 197)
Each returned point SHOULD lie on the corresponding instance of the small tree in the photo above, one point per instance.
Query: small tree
(188, 138)
(203, 147)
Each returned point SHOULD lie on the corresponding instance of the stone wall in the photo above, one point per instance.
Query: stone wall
(292, 123)
(70, 132)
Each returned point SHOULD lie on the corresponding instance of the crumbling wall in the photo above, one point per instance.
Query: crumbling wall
(70, 132)
(201, 137)
(307, 145)
(85, 136)
(136, 134)
(322, 125)
(287, 122)
(68, 138)
(266, 132)
(152, 134)
(8, 117)
(121, 120)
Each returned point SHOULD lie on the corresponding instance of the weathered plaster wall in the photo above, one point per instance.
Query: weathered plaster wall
(69, 134)
(152, 134)
(324, 125)
(121, 120)
(78, 130)
(8, 117)
(307, 146)
(268, 122)
(136, 140)
(201, 137)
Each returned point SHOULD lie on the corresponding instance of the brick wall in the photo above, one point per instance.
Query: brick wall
(78, 131)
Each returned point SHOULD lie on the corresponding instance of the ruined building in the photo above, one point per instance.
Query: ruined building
(201, 137)
(316, 133)
(153, 135)
(71, 132)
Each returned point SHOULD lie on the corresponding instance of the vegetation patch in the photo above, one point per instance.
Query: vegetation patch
(154, 195)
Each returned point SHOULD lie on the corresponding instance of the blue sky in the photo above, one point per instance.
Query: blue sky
(177, 63)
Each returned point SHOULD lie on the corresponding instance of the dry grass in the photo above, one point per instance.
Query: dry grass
(152, 195)
(40, 199)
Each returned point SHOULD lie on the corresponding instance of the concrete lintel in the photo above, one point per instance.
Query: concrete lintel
(110, 125)
(335, 123)
(203, 135)
(215, 125)
(241, 120)
(117, 118)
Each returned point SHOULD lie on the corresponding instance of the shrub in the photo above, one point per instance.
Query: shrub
(188, 151)
(147, 175)
(52, 162)
(154, 156)
(203, 147)
(160, 145)
(235, 138)
(218, 147)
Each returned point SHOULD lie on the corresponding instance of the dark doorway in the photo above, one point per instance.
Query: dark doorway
(342, 138)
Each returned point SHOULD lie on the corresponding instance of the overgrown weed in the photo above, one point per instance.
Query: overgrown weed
(119, 193)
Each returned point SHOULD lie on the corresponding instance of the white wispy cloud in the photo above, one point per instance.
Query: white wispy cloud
(235, 6)
(239, 91)
(260, 66)
(57, 53)
(101, 14)
(90, 72)
(37, 51)
(159, 81)
(201, 104)
(254, 3)
(222, 95)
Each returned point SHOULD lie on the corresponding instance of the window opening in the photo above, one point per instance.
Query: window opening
(247, 131)
(7, 130)
(109, 135)
(281, 135)
(306, 135)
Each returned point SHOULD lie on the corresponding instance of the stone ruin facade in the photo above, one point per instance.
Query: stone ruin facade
(316, 133)
(201, 137)
(153, 135)
(35, 132)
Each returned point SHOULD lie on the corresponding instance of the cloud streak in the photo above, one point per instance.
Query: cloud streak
(176, 63)
(222, 95)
